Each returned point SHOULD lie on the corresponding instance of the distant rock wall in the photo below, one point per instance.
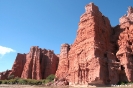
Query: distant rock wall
(37, 64)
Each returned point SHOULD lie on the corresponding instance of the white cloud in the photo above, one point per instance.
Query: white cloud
(5, 50)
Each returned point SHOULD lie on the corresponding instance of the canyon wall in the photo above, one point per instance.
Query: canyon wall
(100, 54)
(91, 54)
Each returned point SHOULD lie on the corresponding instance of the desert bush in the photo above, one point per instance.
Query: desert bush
(12, 81)
(50, 77)
(38, 82)
(22, 81)
(46, 81)
(4, 82)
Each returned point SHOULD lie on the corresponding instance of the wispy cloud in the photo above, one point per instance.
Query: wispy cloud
(5, 50)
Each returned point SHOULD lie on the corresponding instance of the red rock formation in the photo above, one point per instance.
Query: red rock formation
(40, 63)
(125, 40)
(100, 54)
(37, 64)
(18, 65)
(88, 56)
(4, 75)
(63, 66)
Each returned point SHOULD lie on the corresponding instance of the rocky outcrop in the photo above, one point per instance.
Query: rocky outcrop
(100, 54)
(40, 63)
(124, 42)
(37, 64)
(63, 66)
(18, 65)
(92, 52)
(4, 75)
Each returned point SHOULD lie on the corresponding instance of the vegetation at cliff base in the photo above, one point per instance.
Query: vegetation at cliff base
(124, 83)
(50, 78)
(16, 80)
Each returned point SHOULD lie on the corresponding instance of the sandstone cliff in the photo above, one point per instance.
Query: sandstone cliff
(63, 66)
(91, 55)
(40, 63)
(100, 54)
(37, 64)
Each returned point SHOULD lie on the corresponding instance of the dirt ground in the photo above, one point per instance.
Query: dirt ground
(30, 86)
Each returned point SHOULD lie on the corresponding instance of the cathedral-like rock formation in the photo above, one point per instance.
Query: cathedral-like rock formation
(37, 64)
(100, 54)
(91, 54)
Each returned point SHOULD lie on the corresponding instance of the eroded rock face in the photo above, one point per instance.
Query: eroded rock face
(63, 66)
(127, 17)
(37, 64)
(125, 51)
(4, 75)
(100, 54)
(40, 63)
(91, 53)
(18, 65)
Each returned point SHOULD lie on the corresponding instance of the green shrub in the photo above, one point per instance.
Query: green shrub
(50, 77)
(22, 81)
(4, 82)
(46, 81)
(13, 81)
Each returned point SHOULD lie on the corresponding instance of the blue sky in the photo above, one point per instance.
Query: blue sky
(46, 23)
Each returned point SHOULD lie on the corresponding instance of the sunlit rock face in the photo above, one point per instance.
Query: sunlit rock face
(91, 54)
(63, 66)
(37, 64)
(100, 54)
(18, 65)
(40, 63)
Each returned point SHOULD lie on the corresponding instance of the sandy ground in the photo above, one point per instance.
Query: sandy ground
(29, 86)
